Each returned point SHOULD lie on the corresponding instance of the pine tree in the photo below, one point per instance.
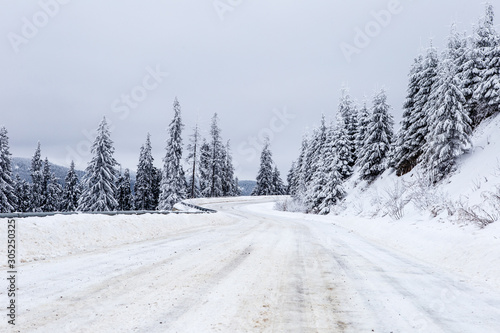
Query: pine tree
(348, 113)
(71, 191)
(299, 182)
(264, 185)
(291, 179)
(156, 187)
(99, 187)
(51, 189)
(37, 180)
(278, 185)
(362, 124)
(173, 183)
(407, 150)
(423, 105)
(124, 195)
(143, 187)
(228, 185)
(237, 189)
(374, 158)
(8, 199)
(313, 151)
(22, 192)
(217, 160)
(449, 136)
(487, 51)
(205, 170)
(341, 142)
(193, 159)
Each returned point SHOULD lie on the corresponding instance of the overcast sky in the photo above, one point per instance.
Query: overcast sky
(265, 66)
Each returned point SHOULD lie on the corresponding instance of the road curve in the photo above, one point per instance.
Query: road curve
(265, 272)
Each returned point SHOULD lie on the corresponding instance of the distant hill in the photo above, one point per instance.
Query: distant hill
(246, 186)
(21, 166)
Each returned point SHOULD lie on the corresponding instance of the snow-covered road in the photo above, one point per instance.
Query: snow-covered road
(265, 271)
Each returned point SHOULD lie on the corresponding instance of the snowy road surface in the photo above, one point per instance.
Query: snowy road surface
(265, 272)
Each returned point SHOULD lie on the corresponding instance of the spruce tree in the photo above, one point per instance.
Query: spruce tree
(228, 184)
(264, 185)
(144, 180)
(51, 189)
(278, 185)
(341, 142)
(407, 150)
(8, 199)
(205, 170)
(22, 192)
(374, 158)
(449, 136)
(217, 160)
(237, 189)
(192, 159)
(99, 189)
(291, 179)
(348, 113)
(487, 50)
(363, 118)
(124, 195)
(71, 191)
(173, 183)
(37, 180)
(156, 187)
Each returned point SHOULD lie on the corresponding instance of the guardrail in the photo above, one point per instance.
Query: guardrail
(202, 210)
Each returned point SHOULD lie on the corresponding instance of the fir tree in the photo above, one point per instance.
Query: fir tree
(193, 159)
(143, 187)
(156, 187)
(99, 187)
(217, 160)
(291, 179)
(124, 195)
(378, 142)
(8, 199)
(264, 185)
(362, 124)
(37, 180)
(173, 183)
(228, 184)
(450, 131)
(22, 192)
(407, 149)
(344, 156)
(487, 51)
(205, 169)
(278, 185)
(51, 189)
(237, 190)
(71, 191)
(348, 114)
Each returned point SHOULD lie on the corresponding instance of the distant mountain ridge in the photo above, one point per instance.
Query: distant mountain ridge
(22, 165)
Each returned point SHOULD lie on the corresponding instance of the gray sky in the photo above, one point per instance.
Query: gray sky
(266, 67)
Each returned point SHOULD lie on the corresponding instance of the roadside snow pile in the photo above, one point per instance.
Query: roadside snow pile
(40, 238)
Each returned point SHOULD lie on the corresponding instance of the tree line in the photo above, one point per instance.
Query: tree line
(448, 96)
(105, 188)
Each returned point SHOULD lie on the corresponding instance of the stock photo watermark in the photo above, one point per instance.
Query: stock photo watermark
(121, 107)
(223, 7)
(31, 26)
(363, 36)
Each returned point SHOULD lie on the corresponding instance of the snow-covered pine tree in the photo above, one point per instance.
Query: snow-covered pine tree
(143, 187)
(362, 124)
(8, 199)
(279, 187)
(37, 198)
(341, 142)
(156, 187)
(173, 183)
(228, 185)
(487, 91)
(22, 192)
(51, 189)
(205, 169)
(487, 53)
(299, 183)
(124, 195)
(423, 105)
(217, 159)
(313, 151)
(450, 131)
(407, 150)
(378, 142)
(348, 113)
(99, 187)
(237, 190)
(193, 159)
(291, 179)
(71, 191)
(264, 185)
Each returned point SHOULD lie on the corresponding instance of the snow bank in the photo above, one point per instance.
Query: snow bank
(40, 238)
